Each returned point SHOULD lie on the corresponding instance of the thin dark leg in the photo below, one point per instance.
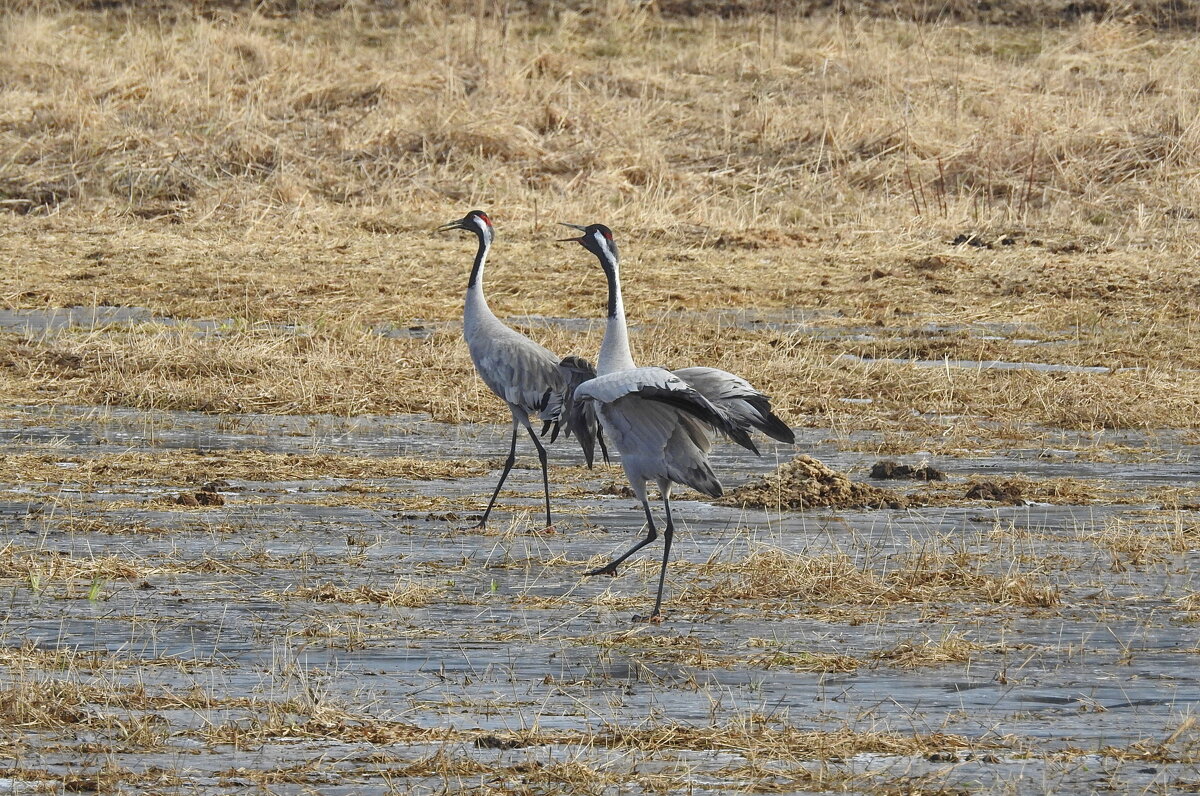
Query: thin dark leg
(611, 567)
(662, 575)
(545, 475)
(508, 465)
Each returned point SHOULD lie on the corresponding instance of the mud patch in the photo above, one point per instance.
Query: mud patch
(806, 482)
(888, 469)
(1007, 492)
(42, 197)
(201, 498)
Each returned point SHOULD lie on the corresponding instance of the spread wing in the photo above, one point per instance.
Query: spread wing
(737, 399)
(658, 440)
(659, 386)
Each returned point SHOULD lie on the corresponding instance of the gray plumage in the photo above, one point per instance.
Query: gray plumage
(736, 398)
(578, 416)
(521, 372)
(662, 421)
(658, 423)
(524, 374)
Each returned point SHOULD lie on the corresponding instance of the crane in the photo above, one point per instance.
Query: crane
(660, 420)
(525, 375)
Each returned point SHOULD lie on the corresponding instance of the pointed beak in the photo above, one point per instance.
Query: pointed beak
(572, 226)
(451, 225)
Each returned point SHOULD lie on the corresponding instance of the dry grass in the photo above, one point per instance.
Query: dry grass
(31, 656)
(280, 173)
(39, 568)
(1141, 542)
(194, 467)
(404, 593)
(949, 648)
(756, 162)
(321, 119)
(86, 575)
(775, 657)
(911, 577)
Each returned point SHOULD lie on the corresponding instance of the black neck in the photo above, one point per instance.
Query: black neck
(478, 266)
(614, 288)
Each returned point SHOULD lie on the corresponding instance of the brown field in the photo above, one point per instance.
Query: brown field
(935, 233)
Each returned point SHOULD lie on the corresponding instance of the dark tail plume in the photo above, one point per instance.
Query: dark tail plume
(580, 416)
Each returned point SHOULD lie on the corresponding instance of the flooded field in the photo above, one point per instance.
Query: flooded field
(202, 604)
(242, 441)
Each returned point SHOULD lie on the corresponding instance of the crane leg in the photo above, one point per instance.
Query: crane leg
(611, 567)
(508, 465)
(541, 451)
(668, 532)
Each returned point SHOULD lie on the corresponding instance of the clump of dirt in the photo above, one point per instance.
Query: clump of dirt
(934, 262)
(888, 469)
(759, 239)
(496, 742)
(41, 197)
(965, 239)
(1007, 492)
(614, 488)
(201, 498)
(805, 482)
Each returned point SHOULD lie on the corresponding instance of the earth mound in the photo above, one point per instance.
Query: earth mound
(805, 482)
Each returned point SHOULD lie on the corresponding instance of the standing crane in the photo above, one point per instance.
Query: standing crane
(525, 375)
(661, 420)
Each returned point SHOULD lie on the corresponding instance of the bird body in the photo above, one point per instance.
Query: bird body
(658, 423)
(662, 421)
(525, 375)
(518, 370)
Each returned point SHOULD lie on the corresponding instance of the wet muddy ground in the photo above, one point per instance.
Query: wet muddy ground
(325, 624)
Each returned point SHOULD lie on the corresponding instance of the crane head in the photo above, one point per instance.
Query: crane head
(476, 221)
(596, 238)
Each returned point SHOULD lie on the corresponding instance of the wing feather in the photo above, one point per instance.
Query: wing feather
(578, 415)
(662, 386)
(738, 400)
(518, 370)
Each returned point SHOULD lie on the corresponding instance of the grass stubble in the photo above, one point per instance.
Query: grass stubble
(765, 162)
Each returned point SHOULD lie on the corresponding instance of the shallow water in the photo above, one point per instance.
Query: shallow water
(515, 640)
(989, 364)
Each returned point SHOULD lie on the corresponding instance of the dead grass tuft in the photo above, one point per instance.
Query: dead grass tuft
(404, 593)
(949, 648)
(39, 568)
(775, 656)
(46, 703)
(837, 579)
(208, 468)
